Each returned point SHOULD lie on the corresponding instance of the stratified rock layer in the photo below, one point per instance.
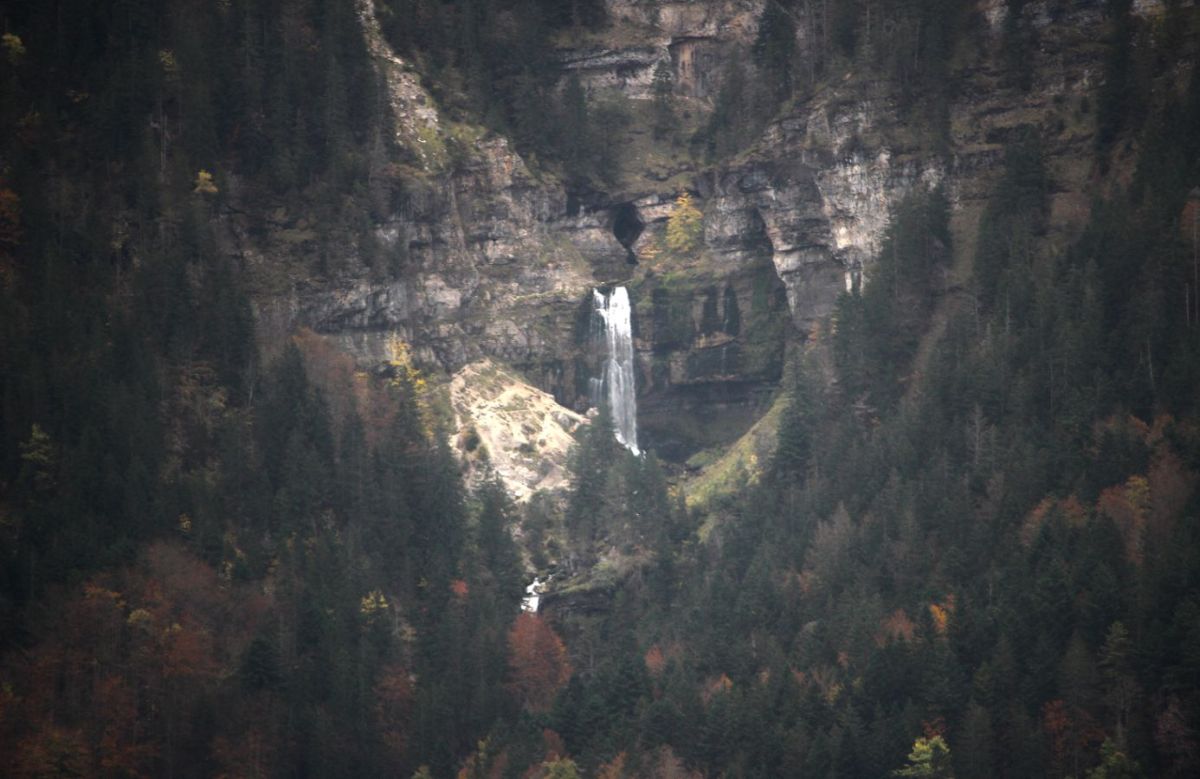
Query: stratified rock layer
(480, 255)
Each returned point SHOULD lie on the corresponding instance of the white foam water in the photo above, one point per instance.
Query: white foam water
(614, 331)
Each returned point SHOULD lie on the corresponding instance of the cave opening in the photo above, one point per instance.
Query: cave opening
(627, 226)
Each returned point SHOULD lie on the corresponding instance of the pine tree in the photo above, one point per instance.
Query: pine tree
(798, 425)
(662, 89)
(775, 48)
(575, 130)
(590, 462)
(495, 540)
(1012, 220)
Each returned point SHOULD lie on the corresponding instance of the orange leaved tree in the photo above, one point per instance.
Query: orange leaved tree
(537, 661)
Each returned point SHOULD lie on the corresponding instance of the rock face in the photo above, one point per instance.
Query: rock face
(480, 256)
(710, 328)
(696, 39)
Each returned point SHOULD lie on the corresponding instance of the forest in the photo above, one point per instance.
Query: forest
(975, 551)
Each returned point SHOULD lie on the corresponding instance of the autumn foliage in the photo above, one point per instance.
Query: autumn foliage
(895, 627)
(394, 693)
(656, 661)
(537, 660)
(1146, 507)
(107, 688)
(10, 219)
(344, 387)
(940, 614)
(1070, 730)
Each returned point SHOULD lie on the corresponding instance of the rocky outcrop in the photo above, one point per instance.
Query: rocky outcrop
(627, 70)
(696, 40)
(682, 18)
(479, 255)
(710, 327)
(505, 427)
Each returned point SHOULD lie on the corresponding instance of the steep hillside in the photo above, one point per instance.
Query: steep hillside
(298, 351)
(469, 252)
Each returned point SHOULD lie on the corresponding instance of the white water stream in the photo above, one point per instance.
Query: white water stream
(533, 596)
(616, 385)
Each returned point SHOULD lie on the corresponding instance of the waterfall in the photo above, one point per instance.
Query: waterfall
(613, 332)
(533, 596)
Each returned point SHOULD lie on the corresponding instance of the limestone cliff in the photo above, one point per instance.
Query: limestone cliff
(481, 255)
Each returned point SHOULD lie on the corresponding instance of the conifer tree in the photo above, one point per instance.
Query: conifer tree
(496, 544)
(662, 88)
(798, 425)
(591, 459)
(775, 47)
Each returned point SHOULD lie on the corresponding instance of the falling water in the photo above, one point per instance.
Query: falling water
(614, 332)
(533, 596)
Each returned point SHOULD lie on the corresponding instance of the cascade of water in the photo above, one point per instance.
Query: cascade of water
(533, 596)
(614, 332)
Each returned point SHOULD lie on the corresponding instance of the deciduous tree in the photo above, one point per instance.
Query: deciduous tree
(537, 661)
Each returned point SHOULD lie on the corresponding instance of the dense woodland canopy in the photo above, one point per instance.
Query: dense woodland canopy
(975, 553)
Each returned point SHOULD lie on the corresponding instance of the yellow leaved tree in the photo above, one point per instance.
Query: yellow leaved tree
(930, 757)
(204, 184)
(685, 226)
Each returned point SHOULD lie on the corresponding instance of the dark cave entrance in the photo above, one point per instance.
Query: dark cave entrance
(627, 226)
